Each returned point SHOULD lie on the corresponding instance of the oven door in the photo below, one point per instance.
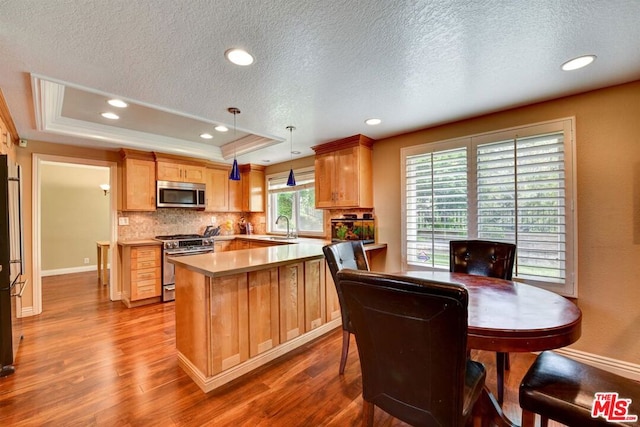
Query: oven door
(169, 270)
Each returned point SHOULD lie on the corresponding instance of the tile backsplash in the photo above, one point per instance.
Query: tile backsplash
(146, 225)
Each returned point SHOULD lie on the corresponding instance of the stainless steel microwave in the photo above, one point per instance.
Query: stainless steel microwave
(180, 195)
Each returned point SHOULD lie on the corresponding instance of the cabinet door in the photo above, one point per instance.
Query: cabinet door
(235, 195)
(346, 177)
(192, 173)
(314, 296)
(264, 322)
(229, 319)
(291, 301)
(332, 301)
(252, 191)
(223, 245)
(139, 185)
(169, 171)
(217, 190)
(324, 169)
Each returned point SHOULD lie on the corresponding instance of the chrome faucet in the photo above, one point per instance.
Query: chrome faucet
(278, 220)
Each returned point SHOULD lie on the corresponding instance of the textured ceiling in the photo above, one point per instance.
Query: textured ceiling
(323, 67)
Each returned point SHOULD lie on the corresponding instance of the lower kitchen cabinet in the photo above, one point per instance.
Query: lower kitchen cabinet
(140, 274)
(291, 283)
(331, 295)
(264, 322)
(314, 294)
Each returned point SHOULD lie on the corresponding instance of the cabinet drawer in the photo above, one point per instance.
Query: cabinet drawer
(138, 276)
(145, 252)
(144, 263)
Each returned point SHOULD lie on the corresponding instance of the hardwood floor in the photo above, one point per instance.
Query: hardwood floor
(89, 361)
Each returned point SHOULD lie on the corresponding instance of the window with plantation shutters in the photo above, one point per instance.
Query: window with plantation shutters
(513, 186)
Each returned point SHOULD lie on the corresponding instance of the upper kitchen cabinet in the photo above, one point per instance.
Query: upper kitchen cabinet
(138, 181)
(170, 168)
(217, 192)
(344, 173)
(252, 181)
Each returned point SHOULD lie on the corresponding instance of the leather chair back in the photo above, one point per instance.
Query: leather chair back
(482, 258)
(345, 255)
(411, 336)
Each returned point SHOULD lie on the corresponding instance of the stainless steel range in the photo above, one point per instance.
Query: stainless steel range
(179, 245)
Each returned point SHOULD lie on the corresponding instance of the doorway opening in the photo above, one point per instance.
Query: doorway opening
(77, 182)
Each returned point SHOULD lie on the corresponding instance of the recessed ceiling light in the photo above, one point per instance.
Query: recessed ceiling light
(579, 62)
(267, 161)
(221, 128)
(373, 122)
(239, 57)
(119, 103)
(110, 116)
(206, 136)
(295, 152)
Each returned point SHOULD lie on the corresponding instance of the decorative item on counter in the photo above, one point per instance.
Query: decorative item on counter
(245, 227)
(351, 228)
(228, 227)
(211, 231)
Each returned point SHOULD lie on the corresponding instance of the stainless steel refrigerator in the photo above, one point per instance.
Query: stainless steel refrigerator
(11, 261)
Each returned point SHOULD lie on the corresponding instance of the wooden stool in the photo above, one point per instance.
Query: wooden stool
(563, 390)
(103, 259)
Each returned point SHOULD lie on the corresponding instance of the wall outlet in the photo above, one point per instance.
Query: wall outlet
(86, 260)
(214, 220)
(123, 220)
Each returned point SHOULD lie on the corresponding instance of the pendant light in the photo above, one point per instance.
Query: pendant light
(235, 172)
(292, 179)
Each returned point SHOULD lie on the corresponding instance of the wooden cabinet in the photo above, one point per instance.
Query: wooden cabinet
(331, 297)
(314, 294)
(179, 172)
(223, 245)
(291, 287)
(253, 187)
(235, 196)
(217, 189)
(138, 181)
(344, 173)
(141, 274)
(264, 321)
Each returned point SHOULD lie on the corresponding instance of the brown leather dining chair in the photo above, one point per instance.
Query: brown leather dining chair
(345, 255)
(485, 258)
(411, 335)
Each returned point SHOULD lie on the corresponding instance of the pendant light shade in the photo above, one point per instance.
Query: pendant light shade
(235, 172)
(291, 182)
(292, 179)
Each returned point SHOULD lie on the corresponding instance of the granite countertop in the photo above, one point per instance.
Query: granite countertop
(245, 260)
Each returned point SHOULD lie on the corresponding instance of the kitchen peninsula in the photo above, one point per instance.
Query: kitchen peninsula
(238, 310)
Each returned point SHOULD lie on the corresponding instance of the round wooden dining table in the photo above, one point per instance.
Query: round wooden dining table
(506, 316)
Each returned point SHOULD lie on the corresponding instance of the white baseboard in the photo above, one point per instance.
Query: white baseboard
(619, 367)
(71, 270)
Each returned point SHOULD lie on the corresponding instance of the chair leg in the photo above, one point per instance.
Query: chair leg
(345, 350)
(528, 418)
(500, 362)
(367, 413)
(507, 362)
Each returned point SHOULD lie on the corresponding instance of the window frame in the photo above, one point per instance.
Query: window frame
(270, 214)
(471, 142)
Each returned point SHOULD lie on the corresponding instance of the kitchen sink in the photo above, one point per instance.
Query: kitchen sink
(279, 238)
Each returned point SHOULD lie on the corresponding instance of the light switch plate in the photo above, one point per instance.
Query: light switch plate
(123, 220)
